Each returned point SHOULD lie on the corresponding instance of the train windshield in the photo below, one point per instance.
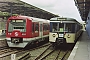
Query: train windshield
(62, 27)
(17, 25)
(69, 27)
(53, 27)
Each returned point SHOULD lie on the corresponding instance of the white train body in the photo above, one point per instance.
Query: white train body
(64, 30)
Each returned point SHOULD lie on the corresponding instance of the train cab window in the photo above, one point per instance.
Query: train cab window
(69, 27)
(17, 25)
(54, 27)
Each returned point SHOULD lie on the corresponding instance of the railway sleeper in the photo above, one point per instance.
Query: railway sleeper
(23, 56)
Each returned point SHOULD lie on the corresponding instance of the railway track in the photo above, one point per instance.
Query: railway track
(54, 55)
(5, 53)
(48, 53)
(21, 54)
(44, 52)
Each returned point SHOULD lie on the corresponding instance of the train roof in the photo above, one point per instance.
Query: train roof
(27, 17)
(62, 18)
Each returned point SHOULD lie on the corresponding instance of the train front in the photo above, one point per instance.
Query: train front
(61, 33)
(16, 31)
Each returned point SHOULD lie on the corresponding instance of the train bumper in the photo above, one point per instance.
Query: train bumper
(20, 45)
(61, 41)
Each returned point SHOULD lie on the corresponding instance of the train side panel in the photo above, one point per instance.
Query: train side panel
(52, 37)
(70, 37)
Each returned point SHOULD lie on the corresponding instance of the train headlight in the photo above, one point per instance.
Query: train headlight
(9, 33)
(68, 36)
(53, 35)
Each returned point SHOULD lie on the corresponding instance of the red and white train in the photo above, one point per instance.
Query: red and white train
(23, 30)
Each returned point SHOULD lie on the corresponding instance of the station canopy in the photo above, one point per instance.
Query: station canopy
(83, 7)
(22, 8)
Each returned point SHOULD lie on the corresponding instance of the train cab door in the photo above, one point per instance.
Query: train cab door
(61, 30)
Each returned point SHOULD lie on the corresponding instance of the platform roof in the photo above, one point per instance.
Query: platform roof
(22, 8)
(83, 7)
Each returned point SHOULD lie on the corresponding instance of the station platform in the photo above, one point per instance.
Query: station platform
(2, 37)
(81, 51)
(3, 42)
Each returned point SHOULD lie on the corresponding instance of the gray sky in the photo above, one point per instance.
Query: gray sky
(63, 8)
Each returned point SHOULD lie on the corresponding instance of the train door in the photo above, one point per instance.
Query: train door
(61, 30)
(41, 30)
(35, 29)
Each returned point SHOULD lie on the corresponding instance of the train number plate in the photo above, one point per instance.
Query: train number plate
(60, 35)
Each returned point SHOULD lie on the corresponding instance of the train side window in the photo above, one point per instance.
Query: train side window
(32, 27)
(45, 27)
(36, 27)
(78, 27)
(73, 28)
(54, 27)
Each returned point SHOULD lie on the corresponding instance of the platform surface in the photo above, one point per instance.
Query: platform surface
(2, 37)
(81, 51)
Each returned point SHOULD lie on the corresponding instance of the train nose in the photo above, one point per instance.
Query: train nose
(17, 40)
(16, 33)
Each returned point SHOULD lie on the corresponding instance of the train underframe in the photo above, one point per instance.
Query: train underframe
(61, 42)
(19, 42)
